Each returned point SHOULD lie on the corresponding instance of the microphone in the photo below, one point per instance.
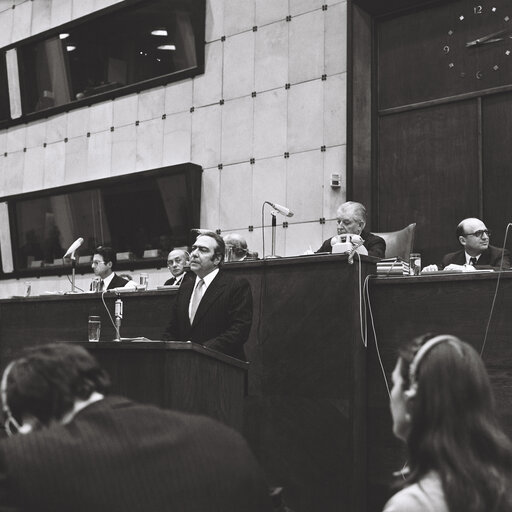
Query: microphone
(281, 209)
(74, 246)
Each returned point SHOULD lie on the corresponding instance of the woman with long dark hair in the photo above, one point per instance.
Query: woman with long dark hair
(460, 460)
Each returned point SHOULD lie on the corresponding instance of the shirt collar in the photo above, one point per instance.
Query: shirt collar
(107, 280)
(468, 257)
(208, 278)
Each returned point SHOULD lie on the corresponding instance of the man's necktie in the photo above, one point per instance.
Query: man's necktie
(196, 299)
(472, 261)
(102, 285)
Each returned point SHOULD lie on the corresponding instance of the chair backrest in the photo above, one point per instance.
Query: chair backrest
(399, 244)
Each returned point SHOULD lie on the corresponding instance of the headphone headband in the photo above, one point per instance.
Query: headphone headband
(424, 349)
(9, 418)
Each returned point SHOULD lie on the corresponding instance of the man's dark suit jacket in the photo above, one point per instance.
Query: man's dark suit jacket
(120, 456)
(172, 280)
(491, 256)
(375, 245)
(117, 282)
(223, 319)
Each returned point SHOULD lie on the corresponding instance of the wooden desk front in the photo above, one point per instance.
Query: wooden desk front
(405, 307)
(305, 409)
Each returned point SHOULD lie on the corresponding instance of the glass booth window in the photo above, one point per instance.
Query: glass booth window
(150, 39)
(4, 91)
(151, 213)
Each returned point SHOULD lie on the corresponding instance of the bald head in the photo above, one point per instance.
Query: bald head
(238, 245)
(177, 260)
(473, 236)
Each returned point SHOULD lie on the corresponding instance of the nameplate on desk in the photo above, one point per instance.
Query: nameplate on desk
(124, 256)
(36, 264)
(152, 253)
(82, 260)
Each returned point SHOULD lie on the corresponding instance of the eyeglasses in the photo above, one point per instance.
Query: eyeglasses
(95, 262)
(480, 233)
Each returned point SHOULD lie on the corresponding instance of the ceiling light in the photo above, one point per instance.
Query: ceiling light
(159, 32)
(70, 48)
(63, 35)
(166, 47)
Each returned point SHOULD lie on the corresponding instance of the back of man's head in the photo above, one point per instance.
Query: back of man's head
(47, 380)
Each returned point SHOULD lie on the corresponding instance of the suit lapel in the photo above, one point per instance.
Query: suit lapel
(485, 258)
(212, 292)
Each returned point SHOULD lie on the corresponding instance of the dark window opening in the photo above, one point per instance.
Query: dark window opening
(151, 211)
(133, 45)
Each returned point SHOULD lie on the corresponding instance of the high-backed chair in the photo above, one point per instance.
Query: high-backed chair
(399, 243)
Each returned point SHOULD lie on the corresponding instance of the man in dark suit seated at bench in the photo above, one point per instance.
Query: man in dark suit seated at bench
(476, 251)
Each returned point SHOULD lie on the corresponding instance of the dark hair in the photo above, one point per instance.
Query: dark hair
(460, 230)
(220, 247)
(454, 429)
(46, 381)
(107, 253)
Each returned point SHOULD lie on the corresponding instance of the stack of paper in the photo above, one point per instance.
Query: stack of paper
(392, 267)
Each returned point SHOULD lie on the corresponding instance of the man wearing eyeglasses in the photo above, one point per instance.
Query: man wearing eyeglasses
(177, 262)
(102, 265)
(474, 237)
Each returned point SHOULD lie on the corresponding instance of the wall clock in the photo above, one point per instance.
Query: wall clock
(478, 41)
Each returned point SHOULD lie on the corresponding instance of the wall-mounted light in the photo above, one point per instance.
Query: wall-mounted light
(166, 47)
(159, 32)
(63, 35)
(70, 48)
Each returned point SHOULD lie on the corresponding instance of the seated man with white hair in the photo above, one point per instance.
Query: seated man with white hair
(351, 219)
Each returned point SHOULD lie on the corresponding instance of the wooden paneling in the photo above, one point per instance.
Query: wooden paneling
(429, 174)
(180, 376)
(404, 308)
(413, 67)
(497, 165)
(304, 413)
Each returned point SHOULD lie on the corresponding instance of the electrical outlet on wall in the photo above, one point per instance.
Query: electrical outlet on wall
(335, 180)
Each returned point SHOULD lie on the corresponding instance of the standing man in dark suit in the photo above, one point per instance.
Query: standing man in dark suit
(87, 452)
(474, 237)
(351, 219)
(215, 308)
(103, 263)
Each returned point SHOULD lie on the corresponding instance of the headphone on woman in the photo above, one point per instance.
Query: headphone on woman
(11, 425)
(424, 349)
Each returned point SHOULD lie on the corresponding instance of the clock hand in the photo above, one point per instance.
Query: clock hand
(489, 38)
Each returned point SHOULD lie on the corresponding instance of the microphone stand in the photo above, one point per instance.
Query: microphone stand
(274, 225)
(73, 270)
(119, 316)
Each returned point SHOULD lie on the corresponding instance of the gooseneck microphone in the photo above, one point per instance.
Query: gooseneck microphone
(73, 247)
(281, 209)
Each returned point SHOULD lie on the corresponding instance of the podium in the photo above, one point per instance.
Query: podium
(176, 375)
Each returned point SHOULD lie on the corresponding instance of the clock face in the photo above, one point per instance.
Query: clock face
(478, 40)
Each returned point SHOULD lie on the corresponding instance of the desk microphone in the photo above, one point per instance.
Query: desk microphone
(74, 246)
(281, 209)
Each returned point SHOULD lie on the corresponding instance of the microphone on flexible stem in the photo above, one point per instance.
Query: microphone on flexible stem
(71, 252)
(73, 247)
(281, 209)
